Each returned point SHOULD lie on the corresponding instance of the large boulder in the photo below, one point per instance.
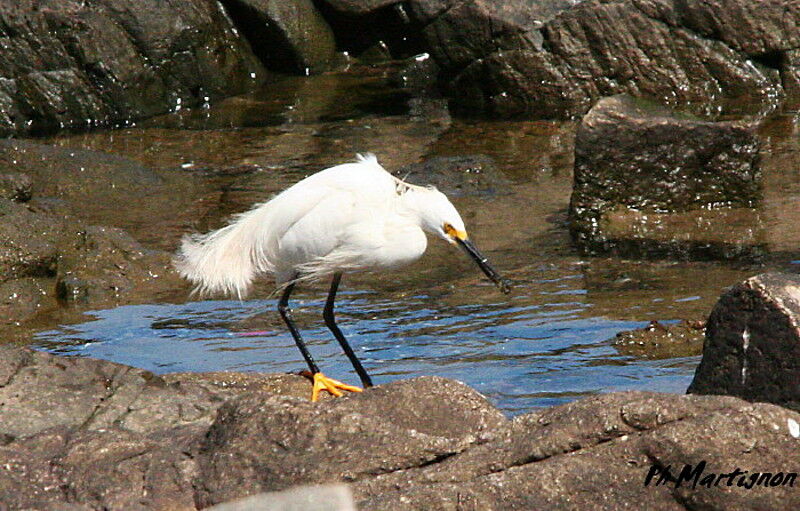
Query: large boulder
(752, 346)
(649, 181)
(76, 64)
(596, 453)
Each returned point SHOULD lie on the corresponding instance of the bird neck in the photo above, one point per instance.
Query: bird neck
(413, 206)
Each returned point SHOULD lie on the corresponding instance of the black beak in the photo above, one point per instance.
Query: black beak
(483, 264)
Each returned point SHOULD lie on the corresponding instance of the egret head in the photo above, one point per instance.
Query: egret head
(439, 216)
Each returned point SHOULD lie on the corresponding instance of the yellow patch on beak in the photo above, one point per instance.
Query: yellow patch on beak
(455, 233)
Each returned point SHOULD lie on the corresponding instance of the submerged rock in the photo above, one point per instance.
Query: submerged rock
(103, 265)
(28, 242)
(652, 182)
(752, 347)
(659, 341)
(49, 249)
(456, 175)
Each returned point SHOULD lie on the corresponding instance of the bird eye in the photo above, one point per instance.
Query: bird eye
(449, 229)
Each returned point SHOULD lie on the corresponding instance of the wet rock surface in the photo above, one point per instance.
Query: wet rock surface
(94, 434)
(73, 64)
(556, 58)
(660, 341)
(652, 182)
(752, 345)
(50, 251)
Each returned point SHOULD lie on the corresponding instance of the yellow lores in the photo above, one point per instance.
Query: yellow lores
(455, 233)
(351, 217)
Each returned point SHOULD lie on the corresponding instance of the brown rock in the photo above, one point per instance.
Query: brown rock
(15, 186)
(596, 453)
(261, 442)
(652, 182)
(27, 242)
(456, 175)
(659, 341)
(86, 434)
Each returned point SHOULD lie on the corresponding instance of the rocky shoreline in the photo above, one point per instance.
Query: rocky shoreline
(92, 434)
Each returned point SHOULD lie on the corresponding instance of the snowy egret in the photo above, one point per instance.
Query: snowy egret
(351, 217)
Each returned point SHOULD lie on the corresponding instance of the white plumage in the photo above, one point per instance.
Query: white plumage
(347, 218)
(350, 217)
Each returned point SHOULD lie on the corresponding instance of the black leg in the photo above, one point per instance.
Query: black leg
(286, 314)
(330, 321)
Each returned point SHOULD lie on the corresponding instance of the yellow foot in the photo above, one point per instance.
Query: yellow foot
(322, 382)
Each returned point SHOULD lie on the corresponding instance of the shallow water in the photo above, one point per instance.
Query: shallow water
(548, 342)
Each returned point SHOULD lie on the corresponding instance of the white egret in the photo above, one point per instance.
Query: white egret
(351, 217)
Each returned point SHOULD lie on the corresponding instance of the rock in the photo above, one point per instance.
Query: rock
(58, 256)
(261, 442)
(22, 299)
(287, 35)
(15, 186)
(27, 242)
(596, 453)
(359, 7)
(77, 433)
(651, 182)
(105, 265)
(418, 75)
(63, 178)
(460, 33)
(556, 58)
(456, 175)
(659, 341)
(75, 174)
(752, 346)
(76, 64)
(40, 391)
(328, 497)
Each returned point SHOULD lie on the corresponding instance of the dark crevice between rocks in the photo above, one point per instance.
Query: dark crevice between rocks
(266, 40)
(390, 25)
(439, 458)
(773, 60)
(113, 385)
